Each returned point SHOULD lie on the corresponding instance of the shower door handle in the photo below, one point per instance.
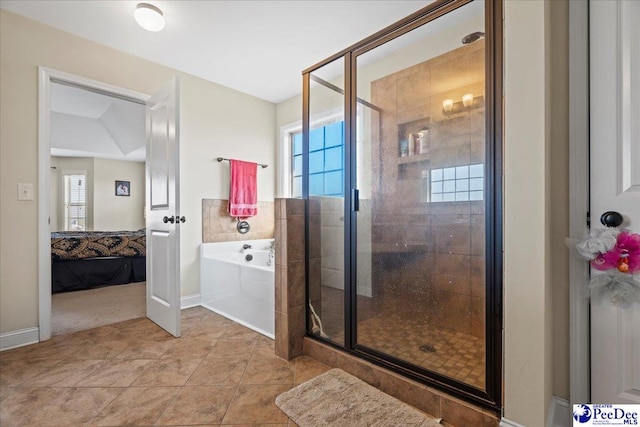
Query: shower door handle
(355, 200)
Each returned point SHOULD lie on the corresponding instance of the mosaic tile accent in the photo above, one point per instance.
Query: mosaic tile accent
(457, 355)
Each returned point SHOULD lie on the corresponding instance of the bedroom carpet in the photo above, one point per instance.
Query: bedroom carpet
(336, 398)
(77, 311)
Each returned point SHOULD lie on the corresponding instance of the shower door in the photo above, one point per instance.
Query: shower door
(324, 160)
(404, 266)
(421, 290)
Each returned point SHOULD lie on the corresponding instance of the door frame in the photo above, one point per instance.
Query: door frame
(579, 328)
(45, 77)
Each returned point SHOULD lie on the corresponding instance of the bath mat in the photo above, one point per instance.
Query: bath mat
(336, 398)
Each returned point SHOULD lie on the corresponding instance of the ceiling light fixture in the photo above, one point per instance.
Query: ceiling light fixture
(149, 17)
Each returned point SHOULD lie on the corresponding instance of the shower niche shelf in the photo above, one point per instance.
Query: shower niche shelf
(414, 159)
(413, 141)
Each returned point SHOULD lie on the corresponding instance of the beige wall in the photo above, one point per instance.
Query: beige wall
(215, 121)
(105, 211)
(527, 363)
(111, 212)
(536, 209)
(558, 43)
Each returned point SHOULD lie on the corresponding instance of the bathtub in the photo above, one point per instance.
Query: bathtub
(237, 288)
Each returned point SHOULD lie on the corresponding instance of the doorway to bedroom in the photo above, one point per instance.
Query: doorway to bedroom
(97, 207)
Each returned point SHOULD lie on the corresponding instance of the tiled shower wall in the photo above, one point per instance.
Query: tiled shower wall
(218, 226)
(290, 306)
(429, 254)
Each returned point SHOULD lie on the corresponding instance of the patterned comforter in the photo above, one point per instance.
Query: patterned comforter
(73, 245)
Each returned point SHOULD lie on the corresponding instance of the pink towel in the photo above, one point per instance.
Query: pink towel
(243, 194)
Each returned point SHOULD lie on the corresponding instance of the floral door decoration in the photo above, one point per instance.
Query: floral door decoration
(615, 252)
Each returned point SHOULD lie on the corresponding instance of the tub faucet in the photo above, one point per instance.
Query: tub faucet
(245, 247)
(272, 253)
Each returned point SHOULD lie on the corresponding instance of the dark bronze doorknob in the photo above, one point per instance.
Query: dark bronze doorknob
(168, 219)
(182, 219)
(611, 219)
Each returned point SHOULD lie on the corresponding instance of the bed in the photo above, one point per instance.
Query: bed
(89, 259)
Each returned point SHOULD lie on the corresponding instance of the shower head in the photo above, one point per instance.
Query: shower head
(470, 38)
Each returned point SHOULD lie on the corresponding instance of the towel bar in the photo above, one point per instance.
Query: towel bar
(263, 165)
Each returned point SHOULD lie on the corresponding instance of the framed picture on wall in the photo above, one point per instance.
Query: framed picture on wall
(123, 188)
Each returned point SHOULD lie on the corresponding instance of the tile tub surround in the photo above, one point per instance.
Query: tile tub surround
(290, 277)
(218, 226)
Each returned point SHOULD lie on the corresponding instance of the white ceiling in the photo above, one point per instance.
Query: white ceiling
(88, 124)
(257, 47)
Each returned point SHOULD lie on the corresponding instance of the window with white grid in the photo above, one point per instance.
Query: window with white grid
(457, 184)
(75, 202)
(326, 160)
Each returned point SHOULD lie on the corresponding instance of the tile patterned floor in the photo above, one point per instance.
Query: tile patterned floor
(453, 354)
(134, 373)
(457, 355)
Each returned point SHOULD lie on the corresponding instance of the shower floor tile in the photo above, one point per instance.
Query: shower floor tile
(454, 354)
(415, 340)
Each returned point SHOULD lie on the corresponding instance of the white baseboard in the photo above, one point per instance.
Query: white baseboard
(559, 413)
(190, 301)
(13, 339)
(506, 423)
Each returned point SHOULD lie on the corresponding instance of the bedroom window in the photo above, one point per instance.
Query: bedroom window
(75, 202)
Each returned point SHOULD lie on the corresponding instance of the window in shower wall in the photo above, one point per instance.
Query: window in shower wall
(456, 184)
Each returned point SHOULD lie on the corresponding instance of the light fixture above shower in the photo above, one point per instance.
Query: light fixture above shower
(468, 102)
(470, 38)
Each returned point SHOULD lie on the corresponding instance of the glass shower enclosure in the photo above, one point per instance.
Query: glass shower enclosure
(401, 161)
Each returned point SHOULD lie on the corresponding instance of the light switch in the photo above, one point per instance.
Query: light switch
(25, 191)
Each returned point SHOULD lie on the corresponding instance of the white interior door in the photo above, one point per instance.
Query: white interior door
(615, 184)
(163, 207)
